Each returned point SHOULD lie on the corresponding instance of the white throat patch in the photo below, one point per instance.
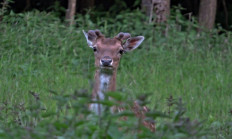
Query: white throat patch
(104, 85)
(103, 88)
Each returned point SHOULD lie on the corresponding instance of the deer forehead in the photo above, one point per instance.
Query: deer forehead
(109, 44)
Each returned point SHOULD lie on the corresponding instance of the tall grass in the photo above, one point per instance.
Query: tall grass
(39, 55)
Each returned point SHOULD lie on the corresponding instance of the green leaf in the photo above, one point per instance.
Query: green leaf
(48, 114)
(116, 95)
(156, 114)
(60, 126)
(114, 132)
(79, 123)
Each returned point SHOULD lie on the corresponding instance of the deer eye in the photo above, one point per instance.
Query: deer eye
(121, 51)
(94, 49)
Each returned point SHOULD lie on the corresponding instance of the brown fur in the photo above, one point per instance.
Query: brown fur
(110, 47)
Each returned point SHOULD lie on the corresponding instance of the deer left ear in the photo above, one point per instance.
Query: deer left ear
(132, 43)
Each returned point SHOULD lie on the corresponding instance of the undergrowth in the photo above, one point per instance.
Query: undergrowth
(46, 72)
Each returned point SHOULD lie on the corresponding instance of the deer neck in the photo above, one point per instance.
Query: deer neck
(105, 81)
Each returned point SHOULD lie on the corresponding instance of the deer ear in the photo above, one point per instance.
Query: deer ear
(91, 37)
(132, 43)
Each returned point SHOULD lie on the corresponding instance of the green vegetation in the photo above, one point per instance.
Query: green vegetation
(46, 72)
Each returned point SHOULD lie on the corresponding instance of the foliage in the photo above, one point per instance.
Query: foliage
(73, 119)
(46, 73)
(4, 6)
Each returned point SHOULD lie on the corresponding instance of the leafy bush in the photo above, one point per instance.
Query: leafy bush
(73, 119)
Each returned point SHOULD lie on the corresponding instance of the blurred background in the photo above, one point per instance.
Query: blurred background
(208, 12)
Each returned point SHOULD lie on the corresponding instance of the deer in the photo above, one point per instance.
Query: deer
(108, 52)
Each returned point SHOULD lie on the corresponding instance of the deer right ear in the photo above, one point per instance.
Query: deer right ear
(92, 36)
(89, 39)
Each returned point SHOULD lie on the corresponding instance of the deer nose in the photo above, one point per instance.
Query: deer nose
(106, 61)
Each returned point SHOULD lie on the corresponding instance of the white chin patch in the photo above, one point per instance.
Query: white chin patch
(100, 63)
(111, 64)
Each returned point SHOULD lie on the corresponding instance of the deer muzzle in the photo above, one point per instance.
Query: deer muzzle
(106, 61)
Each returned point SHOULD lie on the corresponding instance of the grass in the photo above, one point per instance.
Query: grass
(39, 54)
(204, 83)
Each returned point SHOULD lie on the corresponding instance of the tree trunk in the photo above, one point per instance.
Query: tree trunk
(207, 13)
(70, 12)
(147, 7)
(162, 10)
(168, 8)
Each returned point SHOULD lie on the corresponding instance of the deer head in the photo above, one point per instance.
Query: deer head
(108, 51)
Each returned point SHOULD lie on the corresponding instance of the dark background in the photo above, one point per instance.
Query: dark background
(189, 6)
